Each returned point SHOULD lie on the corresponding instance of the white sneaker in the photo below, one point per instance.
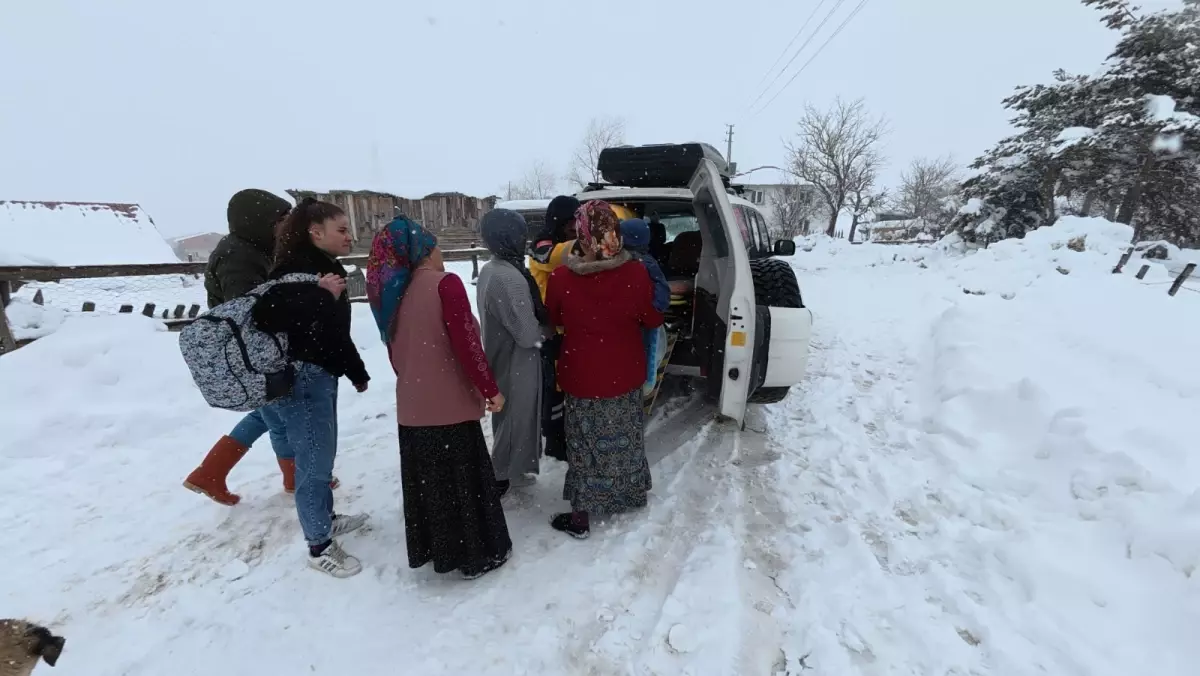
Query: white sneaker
(347, 523)
(336, 562)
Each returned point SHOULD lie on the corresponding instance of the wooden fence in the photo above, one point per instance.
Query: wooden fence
(12, 278)
(1176, 284)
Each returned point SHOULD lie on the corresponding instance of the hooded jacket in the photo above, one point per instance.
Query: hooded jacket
(635, 234)
(242, 258)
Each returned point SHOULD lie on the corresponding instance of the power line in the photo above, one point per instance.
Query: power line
(832, 10)
(785, 52)
(820, 49)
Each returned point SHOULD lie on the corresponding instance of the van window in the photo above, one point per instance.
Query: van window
(675, 224)
(764, 235)
(711, 220)
(745, 227)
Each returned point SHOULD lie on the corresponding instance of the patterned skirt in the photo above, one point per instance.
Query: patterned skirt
(607, 472)
(452, 515)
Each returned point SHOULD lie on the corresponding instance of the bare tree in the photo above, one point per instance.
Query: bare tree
(601, 133)
(538, 182)
(793, 208)
(833, 149)
(926, 189)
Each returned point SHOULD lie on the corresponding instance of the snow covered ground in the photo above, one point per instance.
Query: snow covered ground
(990, 470)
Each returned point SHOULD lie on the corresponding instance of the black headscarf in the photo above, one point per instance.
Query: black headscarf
(560, 212)
(504, 234)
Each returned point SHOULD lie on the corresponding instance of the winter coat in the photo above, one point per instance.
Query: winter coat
(603, 307)
(317, 325)
(242, 259)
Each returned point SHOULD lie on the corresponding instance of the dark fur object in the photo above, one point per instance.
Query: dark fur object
(23, 643)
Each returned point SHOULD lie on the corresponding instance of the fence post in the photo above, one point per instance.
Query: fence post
(1187, 272)
(8, 343)
(1141, 274)
(474, 266)
(1121, 263)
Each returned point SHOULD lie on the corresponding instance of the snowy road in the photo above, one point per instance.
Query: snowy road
(964, 485)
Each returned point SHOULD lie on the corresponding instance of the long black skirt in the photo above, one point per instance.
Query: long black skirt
(452, 513)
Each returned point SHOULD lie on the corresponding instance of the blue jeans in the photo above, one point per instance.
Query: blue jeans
(260, 422)
(309, 416)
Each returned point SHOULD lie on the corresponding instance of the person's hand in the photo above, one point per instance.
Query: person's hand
(335, 284)
(495, 404)
(361, 387)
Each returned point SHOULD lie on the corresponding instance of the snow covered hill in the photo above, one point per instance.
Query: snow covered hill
(990, 470)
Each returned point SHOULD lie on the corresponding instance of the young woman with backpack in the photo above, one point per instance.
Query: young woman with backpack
(316, 320)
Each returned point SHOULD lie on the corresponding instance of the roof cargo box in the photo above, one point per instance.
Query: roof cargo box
(663, 165)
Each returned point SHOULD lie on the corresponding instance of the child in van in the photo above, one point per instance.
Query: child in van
(635, 235)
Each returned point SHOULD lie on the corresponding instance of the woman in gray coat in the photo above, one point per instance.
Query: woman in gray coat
(512, 316)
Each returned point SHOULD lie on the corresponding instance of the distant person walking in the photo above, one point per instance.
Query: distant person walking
(316, 320)
(452, 512)
(603, 299)
(241, 262)
(514, 320)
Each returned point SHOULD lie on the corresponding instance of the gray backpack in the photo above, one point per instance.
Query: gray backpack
(235, 365)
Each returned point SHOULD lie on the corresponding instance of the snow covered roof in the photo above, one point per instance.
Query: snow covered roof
(79, 233)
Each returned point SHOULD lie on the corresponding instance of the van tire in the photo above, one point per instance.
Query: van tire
(775, 283)
(768, 395)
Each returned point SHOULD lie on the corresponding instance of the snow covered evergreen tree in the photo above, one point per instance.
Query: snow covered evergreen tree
(1123, 143)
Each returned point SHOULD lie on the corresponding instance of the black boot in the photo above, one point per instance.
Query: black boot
(574, 524)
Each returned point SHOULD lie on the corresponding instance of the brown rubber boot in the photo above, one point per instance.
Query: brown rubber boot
(288, 469)
(209, 478)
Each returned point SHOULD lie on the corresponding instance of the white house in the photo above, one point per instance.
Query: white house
(196, 247)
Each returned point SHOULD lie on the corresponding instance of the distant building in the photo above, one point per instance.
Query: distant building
(444, 213)
(196, 247)
(766, 195)
(903, 231)
(79, 233)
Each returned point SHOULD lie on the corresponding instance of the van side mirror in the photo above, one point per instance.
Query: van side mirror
(785, 247)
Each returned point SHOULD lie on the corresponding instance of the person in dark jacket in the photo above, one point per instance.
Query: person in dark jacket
(241, 262)
(242, 258)
(316, 320)
(550, 248)
(637, 237)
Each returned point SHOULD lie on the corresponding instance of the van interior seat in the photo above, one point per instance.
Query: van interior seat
(684, 260)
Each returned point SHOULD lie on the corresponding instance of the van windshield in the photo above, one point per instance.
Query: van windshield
(679, 223)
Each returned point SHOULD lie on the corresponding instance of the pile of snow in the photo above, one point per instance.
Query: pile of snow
(73, 233)
(1083, 249)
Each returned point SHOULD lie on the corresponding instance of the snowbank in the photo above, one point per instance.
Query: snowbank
(68, 233)
(1069, 414)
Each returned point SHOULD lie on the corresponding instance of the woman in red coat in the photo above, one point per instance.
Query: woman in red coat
(602, 298)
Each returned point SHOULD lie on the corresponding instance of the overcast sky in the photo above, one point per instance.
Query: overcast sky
(178, 105)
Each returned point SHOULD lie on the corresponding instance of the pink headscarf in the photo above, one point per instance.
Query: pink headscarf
(599, 229)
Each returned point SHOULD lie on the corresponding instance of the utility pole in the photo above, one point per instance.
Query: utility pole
(729, 143)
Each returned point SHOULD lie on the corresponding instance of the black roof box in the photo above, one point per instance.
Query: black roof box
(662, 165)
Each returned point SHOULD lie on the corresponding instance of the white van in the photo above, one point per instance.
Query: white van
(737, 317)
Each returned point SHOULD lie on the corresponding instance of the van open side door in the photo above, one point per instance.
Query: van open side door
(724, 276)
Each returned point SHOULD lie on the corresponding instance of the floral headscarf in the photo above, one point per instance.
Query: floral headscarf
(599, 229)
(396, 251)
